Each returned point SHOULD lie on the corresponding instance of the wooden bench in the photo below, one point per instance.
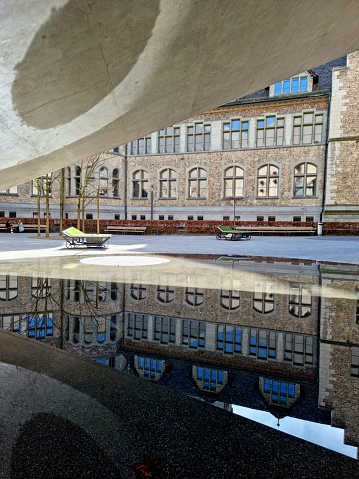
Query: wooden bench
(126, 229)
(29, 228)
(33, 228)
(287, 230)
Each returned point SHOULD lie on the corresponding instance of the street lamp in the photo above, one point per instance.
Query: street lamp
(151, 198)
(234, 208)
(100, 192)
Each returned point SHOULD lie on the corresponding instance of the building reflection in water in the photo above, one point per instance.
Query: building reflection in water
(291, 353)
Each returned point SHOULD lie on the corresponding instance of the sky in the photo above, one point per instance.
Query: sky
(321, 434)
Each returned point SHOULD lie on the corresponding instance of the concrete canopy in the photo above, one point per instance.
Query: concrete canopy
(80, 76)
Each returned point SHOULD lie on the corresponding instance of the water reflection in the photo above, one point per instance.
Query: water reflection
(282, 350)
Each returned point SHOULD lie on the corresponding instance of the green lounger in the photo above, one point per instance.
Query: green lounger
(75, 237)
(231, 234)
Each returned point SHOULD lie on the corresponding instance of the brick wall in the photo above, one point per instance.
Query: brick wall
(170, 227)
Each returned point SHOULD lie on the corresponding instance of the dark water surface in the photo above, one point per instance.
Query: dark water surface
(277, 342)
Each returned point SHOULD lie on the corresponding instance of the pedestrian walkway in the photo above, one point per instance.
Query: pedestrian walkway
(321, 248)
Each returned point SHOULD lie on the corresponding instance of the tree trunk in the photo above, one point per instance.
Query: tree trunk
(62, 195)
(47, 203)
(79, 212)
(83, 213)
(38, 210)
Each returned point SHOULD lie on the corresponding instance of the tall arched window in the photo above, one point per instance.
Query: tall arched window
(305, 180)
(230, 299)
(233, 182)
(168, 183)
(103, 181)
(300, 300)
(263, 297)
(68, 181)
(42, 185)
(197, 183)
(140, 184)
(268, 181)
(115, 183)
(77, 178)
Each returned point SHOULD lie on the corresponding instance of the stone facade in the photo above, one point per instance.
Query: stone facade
(342, 195)
(317, 127)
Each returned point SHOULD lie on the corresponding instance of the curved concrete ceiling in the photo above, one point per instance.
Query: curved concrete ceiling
(81, 76)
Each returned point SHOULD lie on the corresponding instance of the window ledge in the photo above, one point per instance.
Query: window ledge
(199, 198)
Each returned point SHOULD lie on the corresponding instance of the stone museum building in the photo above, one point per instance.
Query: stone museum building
(284, 153)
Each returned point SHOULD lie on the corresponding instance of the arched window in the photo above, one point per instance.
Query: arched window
(263, 297)
(138, 291)
(230, 299)
(103, 181)
(305, 180)
(68, 181)
(77, 178)
(212, 380)
(8, 288)
(168, 183)
(165, 294)
(41, 185)
(300, 300)
(233, 182)
(140, 184)
(197, 183)
(268, 181)
(115, 183)
(194, 296)
(279, 393)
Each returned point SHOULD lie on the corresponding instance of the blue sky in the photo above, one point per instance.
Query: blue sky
(321, 434)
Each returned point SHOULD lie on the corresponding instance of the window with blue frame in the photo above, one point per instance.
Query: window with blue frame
(210, 379)
(229, 339)
(39, 327)
(150, 367)
(262, 344)
(279, 392)
(296, 84)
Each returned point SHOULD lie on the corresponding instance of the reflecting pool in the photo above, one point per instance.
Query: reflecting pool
(275, 341)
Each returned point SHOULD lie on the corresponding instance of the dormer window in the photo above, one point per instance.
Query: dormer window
(296, 84)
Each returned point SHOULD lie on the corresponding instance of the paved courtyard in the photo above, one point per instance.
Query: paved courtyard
(322, 248)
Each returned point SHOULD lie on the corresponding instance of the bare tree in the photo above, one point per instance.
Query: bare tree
(44, 186)
(87, 186)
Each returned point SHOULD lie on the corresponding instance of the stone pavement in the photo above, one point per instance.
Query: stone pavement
(322, 248)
